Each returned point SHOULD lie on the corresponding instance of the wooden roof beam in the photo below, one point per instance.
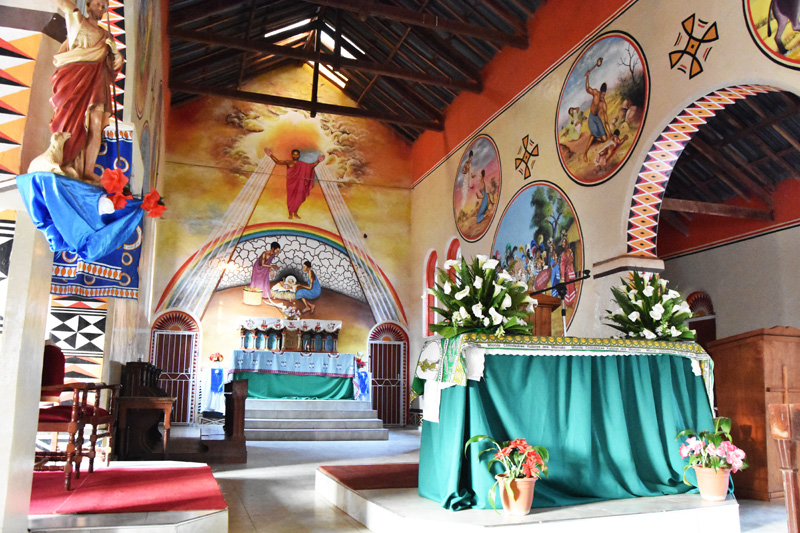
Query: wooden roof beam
(716, 157)
(259, 46)
(719, 210)
(670, 218)
(305, 105)
(203, 10)
(365, 8)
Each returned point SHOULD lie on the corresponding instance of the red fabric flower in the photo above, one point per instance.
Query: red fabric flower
(151, 204)
(150, 200)
(157, 211)
(113, 180)
(120, 200)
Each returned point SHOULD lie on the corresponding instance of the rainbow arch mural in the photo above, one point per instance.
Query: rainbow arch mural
(261, 231)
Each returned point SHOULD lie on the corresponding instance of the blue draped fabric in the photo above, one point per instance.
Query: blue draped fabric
(65, 211)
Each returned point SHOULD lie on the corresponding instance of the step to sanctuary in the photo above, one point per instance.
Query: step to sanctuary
(311, 420)
(385, 509)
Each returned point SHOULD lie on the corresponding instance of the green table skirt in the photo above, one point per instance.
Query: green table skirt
(277, 386)
(609, 423)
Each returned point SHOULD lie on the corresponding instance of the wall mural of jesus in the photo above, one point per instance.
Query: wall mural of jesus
(299, 179)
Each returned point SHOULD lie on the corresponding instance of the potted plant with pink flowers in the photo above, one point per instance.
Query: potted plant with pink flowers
(713, 457)
(522, 463)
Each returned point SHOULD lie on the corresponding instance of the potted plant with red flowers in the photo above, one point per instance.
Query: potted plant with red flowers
(522, 463)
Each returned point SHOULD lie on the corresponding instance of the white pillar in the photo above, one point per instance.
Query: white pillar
(22, 346)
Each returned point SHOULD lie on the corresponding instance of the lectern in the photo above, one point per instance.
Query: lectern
(542, 317)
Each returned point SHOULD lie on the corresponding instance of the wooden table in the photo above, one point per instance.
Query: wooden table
(161, 403)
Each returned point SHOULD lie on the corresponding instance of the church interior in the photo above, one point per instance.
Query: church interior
(238, 230)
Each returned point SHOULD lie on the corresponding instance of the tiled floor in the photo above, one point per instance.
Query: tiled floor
(274, 491)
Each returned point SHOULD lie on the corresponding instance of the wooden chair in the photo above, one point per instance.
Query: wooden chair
(98, 417)
(64, 419)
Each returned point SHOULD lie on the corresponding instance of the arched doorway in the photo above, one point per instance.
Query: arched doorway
(174, 349)
(651, 183)
(388, 357)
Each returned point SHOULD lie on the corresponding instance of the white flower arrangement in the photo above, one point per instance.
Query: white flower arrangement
(647, 310)
(480, 298)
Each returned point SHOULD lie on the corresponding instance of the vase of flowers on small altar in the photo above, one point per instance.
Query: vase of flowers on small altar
(648, 310)
(714, 457)
(479, 297)
(522, 464)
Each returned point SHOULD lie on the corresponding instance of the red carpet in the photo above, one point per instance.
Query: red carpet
(387, 476)
(127, 490)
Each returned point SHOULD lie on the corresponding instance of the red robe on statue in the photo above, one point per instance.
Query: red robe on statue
(299, 181)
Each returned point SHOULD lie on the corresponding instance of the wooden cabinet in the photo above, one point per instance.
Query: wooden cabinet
(751, 371)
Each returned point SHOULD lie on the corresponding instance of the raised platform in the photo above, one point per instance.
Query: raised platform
(145, 501)
(391, 510)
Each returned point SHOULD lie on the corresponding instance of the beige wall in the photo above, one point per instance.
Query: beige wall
(753, 284)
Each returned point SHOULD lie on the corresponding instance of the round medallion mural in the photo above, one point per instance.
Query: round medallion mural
(775, 27)
(539, 241)
(477, 188)
(602, 108)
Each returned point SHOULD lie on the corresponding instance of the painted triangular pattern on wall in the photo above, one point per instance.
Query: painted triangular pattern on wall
(17, 52)
(77, 326)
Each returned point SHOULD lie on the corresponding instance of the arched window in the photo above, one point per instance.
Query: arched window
(453, 252)
(428, 316)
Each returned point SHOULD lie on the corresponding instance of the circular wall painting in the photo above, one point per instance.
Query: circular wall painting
(775, 28)
(602, 108)
(539, 242)
(477, 188)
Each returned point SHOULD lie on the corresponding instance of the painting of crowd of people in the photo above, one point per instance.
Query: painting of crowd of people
(539, 242)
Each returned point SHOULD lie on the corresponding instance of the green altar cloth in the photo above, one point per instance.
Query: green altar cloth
(278, 386)
(607, 416)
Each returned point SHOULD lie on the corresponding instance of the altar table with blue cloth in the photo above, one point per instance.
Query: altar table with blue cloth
(278, 374)
(607, 410)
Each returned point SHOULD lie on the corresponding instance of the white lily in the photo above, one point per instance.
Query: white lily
(464, 313)
(497, 289)
(648, 291)
(673, 294)
(663, 283)
(486, 322)
(506, 302)
(632, 294)
(504, 276)
(462, 293)
(457, 320)
(646, 276)
(430, 292)
(491, 264)
(633, 317)
(447, 288)
(657, 312)
(497, 318)
(477, 310)
(481, 259)
(674, 332)
(450, 263)
(478, 283)
(648, 334)
(500, 332)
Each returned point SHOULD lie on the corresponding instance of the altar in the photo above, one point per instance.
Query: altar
(280, 374)
(607, 410)
(293, 359)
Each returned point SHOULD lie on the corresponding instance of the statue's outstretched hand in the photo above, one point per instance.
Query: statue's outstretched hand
(267, 151)
(321, 158)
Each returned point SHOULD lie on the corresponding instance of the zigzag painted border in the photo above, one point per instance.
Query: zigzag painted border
(654, 175)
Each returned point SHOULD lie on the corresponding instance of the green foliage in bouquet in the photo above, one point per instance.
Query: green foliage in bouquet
(479, 298)
(647, 310)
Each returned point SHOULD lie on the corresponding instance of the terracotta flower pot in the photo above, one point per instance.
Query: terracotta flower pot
(522, 488)
(713, 485)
